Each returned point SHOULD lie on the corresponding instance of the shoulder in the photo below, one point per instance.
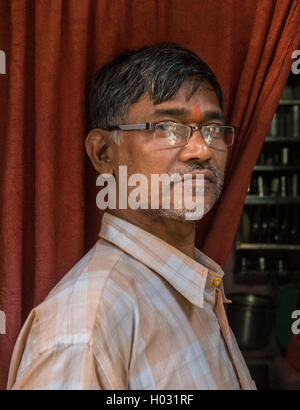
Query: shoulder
(72, 304)
(104, 281)
(67, 315)
(87, 316)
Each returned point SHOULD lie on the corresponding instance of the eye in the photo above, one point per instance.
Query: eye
(164, 126)
(171, 134)
(216, 130)
(165, 130)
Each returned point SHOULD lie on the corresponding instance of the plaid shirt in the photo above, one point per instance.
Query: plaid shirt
(133, 313)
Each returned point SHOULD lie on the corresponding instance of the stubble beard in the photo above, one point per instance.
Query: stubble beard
(184, 215)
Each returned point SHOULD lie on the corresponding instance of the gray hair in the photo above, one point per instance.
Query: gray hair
(156, 71)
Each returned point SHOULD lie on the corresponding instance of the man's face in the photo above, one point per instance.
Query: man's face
(141, 155)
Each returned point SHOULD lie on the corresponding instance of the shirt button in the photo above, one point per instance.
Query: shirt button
(217, 281)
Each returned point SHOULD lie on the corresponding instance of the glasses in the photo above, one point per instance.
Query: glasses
(176, 135)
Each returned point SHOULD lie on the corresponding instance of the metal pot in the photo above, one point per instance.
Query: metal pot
(251, 318)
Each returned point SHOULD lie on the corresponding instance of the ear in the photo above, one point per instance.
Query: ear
(97, 145)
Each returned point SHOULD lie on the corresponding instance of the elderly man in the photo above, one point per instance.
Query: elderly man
(143, 309)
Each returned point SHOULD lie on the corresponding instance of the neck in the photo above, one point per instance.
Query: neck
(179, 234)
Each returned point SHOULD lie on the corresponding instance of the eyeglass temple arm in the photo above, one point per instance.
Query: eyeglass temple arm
(130, 127)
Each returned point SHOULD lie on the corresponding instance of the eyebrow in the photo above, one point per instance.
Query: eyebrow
(176, 112)
(183, 112)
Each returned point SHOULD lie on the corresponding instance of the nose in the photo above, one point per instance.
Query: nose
(196, 148)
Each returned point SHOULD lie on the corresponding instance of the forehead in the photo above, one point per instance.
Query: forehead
(190, 107)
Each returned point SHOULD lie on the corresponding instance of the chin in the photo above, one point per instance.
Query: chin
(180, 215)
(185, 215)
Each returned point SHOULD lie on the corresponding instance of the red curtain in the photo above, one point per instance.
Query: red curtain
(47, 200)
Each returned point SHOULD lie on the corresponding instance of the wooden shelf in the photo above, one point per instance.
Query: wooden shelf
(266, 273)
(268, 246)
(282, 139)
(262, 353)
(280, 136)
(276, 168)
(289, 102)
(272, 200)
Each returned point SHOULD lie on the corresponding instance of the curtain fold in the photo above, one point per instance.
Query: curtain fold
(48, 214)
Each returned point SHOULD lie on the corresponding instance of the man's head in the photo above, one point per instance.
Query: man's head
(164, 83)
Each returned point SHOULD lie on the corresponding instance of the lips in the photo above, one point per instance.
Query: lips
(207, 174)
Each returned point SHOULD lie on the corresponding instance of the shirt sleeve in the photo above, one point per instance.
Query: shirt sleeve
(67, 364)
(70, 363)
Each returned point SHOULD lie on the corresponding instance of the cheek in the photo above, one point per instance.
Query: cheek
(147, 158)
(220, 163)
(221, 158)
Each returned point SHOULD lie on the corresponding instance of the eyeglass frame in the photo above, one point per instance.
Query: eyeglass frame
(151, 126)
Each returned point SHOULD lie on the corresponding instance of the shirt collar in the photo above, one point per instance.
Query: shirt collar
(186, 275)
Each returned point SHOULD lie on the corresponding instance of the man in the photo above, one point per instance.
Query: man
(143, 309)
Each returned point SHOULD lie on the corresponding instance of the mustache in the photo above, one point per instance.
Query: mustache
(199, 167)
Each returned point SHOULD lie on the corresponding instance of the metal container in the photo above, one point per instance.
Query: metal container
(251, 318)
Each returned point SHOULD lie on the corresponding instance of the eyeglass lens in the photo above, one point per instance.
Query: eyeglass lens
(172, 134)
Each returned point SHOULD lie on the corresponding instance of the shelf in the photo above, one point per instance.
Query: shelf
(276, 168)
(249, 279)
(262, 354)
(269, 273)
(270, 200)
(268, 246)
(278, 260)
(289, 102)
(282, 139)
(252, 273)
(266, 277)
